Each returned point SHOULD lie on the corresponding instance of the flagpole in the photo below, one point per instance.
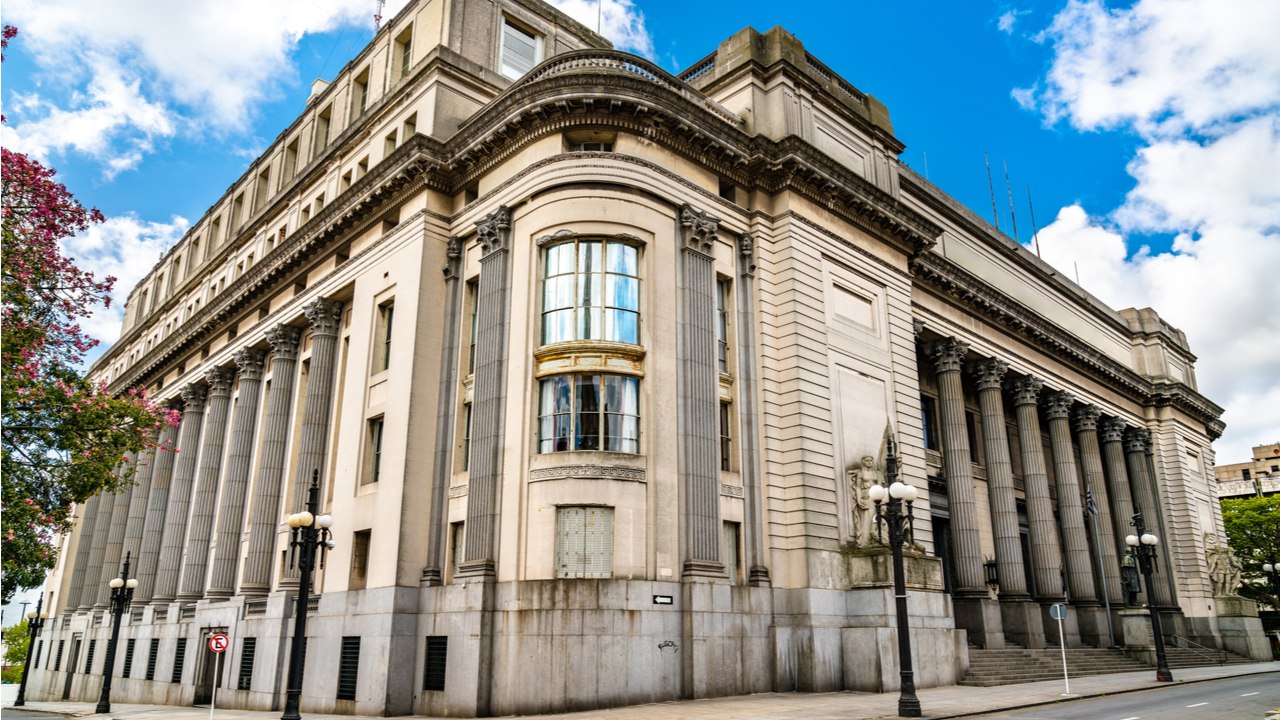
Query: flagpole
(1091, 509)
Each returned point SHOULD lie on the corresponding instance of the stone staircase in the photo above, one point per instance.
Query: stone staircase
(1013, 664)
(1184, 658)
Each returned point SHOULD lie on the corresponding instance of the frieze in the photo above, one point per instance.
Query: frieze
(730, 490)
(594, 472)
(457, 491)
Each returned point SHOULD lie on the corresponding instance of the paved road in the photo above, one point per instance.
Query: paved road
(1248, 697)
(12, 713)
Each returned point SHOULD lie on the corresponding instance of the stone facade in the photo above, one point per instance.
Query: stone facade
(584, 355)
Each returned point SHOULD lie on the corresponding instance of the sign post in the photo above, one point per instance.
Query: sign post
(1058, 611)
(218, 644)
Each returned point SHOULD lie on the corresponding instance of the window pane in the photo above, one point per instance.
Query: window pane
(557, 326)
(560, 259)
(588, 400)
(555, 395)
(622, 326)
(590, 324)
(557, 293)
(591, 290)
(588, 432)
(563, 431)
(590, 257)
(622, 292)
(622, 259)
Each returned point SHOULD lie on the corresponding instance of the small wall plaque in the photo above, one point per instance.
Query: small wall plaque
(662, 600)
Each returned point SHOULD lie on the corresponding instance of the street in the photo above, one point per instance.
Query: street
(1251, 696)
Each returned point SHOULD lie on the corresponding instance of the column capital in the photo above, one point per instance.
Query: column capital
(698, 230)
(917, 327)
(1137, 440)
(193, 397)
(1058, 405)
(947, 355)
(747, 252)
(250, 361)
(324, 315)
(1025, 390)
(454, 255)
(494, 231)
(284, 341)
(1086, 418)
(220, 380)
(1112, 430)
(988, 374)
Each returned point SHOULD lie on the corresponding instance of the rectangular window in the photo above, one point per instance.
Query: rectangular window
(1245, 475)
(929, 421)
(386, 314)
(722, 325)
(591, 291)
(323, 120)
(128, 658)
(589, 412)
(436, 663)
(404, 52)
(237, 214)
(153, 654)
(290, 161)
(179, 658)
(359, 560)
(466, 438)
(520, 49)
(262, 191)
(248, 648)
(215, 234)
(971, 427)
(584, 542)
(732, 558)
(88, 660)
(348, 668)
(458, 536)
(389, 144)
(359, 94)
(410, 127)
(726, 437)
(591, 147)
(57, 661)
(473, 296)
(373, 450)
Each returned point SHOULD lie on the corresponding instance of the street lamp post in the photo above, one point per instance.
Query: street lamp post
(121, 595)
(308, 533)
(35, 621)
(1142, 544)
(1272, 569)
(899, 521)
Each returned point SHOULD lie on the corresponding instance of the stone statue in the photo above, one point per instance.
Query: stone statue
(1224, 567)
(861, 478)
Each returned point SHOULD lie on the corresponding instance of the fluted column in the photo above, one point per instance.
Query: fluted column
(1146, 497)
(97, 551)
(1121, 494)
(948, 358)
(1070, 507)
(88, 522)
(204, 500)
(749, 414)
(265, 515)
(1046, 556)
(698, 404)
(115, 539)
(235, 483)
(1086, 427)
(989, 376)
(175, 514)
(446, 408)
(489, 395)
(136, 523)
(157, 504)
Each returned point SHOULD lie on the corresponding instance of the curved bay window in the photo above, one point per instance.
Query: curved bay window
(589, 412)
(591, 291)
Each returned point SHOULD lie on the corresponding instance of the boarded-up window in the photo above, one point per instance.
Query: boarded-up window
(584, 542)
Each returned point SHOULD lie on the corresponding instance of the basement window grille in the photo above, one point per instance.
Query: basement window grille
(128, 658)
(88, 661)
(39, 651)
(348, 668)
(57, 663)
(152, 655)
(179, 658)
(248, 647)
(437, 660)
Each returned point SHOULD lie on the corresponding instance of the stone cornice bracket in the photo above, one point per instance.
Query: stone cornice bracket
(324, 315)
(1137, 440)
(917, 329)
(746, 251)
(1086, 418)
(495, 231)
(1025, 390)
(947, 355)
(250, 362)
(220, 381)
(284, 341)
(698, 231)
(1112, 430)
(193, 396)
(454, 255)
(1058, 405)
(988, 374)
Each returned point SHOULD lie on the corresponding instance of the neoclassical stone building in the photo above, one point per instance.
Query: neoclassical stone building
(588, 357)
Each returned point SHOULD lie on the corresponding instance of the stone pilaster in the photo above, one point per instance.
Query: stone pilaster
(748, 413)
(235, 483)
(97, 551)
(157, 503)
(1046, 556)
(115, 538)
(699, 468)
(446, 410)
(175, 515)
(948, 357)
(1146, 498)
(273, 453)
(1075, 537)
(1086, 427)
(204, 501)
(489, 395)
(87, 520)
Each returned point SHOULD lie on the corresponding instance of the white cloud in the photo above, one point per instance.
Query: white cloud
(619, 21)
(1008, 19)
(1199, 82)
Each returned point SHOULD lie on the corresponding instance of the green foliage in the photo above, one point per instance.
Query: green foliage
(1253, 532)
(16, 641)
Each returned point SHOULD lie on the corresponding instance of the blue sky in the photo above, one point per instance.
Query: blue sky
(1148, 132)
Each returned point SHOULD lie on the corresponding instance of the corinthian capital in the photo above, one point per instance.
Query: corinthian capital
(697, 230)
(193, 397)
(284, 341)
(250, 361)
(988, 374)
(947, 355)
(220, 380)
(1025, 390)
(324, 315)
(1086, 418)
(495, 231)
(1058, 405)
(1137, 440)
(1112, 430)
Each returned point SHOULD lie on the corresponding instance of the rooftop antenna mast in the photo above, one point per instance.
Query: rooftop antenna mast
(1009, 189)
(1035, 232)
(377, 15)
(599, 14)
(995, 214)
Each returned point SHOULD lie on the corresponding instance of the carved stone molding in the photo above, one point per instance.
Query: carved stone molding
(1086, 418)
(250, 361)
(917, 328)
(494, 231)
(454, 254)
(457, 491)
(325, 316)
(220, 380)
(947, 355)
(1058, 405)
(1112, 430)
(730, 490)
(698, 230)
(595, 472)
(747, 248)
(193, 396)
(284, 341)
(989, 374)
(1137, 440)
(1025, 390)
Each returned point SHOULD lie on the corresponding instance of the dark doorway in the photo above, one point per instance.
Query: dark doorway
(209, 675)
(942, 547)
(1028, 566)
(71, 666)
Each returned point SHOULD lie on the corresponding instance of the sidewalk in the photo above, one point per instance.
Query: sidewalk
(945, 702)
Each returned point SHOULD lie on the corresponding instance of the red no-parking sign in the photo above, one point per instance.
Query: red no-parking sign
(219, 642)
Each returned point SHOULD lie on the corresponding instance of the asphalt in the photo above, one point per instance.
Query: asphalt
(943, 702)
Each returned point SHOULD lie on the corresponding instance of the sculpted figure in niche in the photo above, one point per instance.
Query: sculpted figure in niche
(861, 478)
(1224, 566)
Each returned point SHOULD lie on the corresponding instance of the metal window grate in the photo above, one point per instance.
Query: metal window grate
(57, 663)
(248, 647)
(128, 658)
(88, 661)
(39, 650)
(584, 542)
(179, 658)
(348, 668)
(437, 661)
(152, 654)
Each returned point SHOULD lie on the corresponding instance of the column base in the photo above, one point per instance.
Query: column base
(1070, 625)
(1022, 622)
(431, 577)
(1093, 625)
(1138, 640)
(980, 616)
(1240, 628)
(759, 577)
(478, 570)
(708, 569)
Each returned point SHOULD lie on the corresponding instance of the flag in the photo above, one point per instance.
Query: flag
(1090, 505)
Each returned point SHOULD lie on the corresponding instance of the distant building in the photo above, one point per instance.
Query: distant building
(1259, 476)
(588, 357)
